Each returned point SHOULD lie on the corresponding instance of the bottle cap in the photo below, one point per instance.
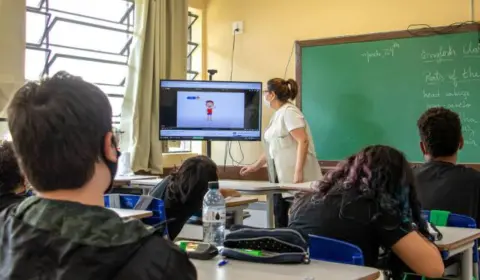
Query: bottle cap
(213, 185)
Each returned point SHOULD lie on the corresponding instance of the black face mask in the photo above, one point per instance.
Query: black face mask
(112, 166)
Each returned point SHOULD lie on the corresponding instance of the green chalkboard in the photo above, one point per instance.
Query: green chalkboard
(358, 91)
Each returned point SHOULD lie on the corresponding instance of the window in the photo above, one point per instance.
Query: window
(193, 72)
(88, 38)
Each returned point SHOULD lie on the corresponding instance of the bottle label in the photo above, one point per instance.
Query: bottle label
(214, 216)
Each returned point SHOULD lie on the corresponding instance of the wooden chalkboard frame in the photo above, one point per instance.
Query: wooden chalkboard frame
(300, 44)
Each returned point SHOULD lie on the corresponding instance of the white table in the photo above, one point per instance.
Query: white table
(316, 270)
(243, 186)
(457, 241)
(131, 213)
(127, 179)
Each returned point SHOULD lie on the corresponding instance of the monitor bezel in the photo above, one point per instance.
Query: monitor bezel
(193, 138)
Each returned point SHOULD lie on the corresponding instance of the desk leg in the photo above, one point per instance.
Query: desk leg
(467, 264)
(237, 212)
(270, 216)
(475, 270)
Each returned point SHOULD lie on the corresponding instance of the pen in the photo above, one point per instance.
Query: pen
(222, 262)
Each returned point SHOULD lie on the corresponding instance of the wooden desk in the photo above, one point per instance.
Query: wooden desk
(239, 201)
(247, 187)
(234, 204)
(237, 205)
(459, 241)
(316, 270)
(130, 213)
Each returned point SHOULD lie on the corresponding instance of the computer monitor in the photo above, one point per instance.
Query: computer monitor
(210, 110)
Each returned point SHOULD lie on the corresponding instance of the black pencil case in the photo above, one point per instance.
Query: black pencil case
(275, 246)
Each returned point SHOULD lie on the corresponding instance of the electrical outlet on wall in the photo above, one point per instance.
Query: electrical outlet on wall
(237, 27)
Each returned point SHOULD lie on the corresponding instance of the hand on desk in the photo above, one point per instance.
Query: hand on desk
(248, 169)
(229, 193)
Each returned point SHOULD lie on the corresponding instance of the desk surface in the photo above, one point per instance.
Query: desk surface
(239, 185)
(237, 270)
(130, 213)
(128, 178)
(454, 238)
(239, 201)
(140, 214)
(307, 186)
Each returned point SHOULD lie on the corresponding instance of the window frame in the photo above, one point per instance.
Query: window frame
(54, 16)
(192, 74)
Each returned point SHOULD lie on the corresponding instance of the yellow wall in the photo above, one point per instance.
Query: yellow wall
(272, 26)
(197, 4)
(12, 51)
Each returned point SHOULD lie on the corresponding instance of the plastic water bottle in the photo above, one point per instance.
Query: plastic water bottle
(214, 212)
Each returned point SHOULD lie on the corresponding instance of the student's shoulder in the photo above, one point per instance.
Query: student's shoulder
(470, 172)
(160, 257)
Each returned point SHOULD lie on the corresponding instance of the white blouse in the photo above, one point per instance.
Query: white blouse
(283, 147)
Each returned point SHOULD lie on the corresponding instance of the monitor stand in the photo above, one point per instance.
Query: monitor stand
(209, 148)
(211, 72)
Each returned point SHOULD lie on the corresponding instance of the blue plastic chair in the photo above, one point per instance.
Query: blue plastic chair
(332, 250)
(139, 202)
(457, 220)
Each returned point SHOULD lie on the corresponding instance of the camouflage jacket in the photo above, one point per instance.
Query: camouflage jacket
(47, 239)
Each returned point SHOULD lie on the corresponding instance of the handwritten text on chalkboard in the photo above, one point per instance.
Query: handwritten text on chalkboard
(381, 53)
(456, 77)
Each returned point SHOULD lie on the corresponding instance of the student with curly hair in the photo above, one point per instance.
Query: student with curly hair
(12, 182)
(369, 200)
(442, 183)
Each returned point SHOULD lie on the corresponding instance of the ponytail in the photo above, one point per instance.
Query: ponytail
(292, 88)
(284, 90)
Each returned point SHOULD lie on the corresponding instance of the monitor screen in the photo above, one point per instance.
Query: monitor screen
(210, 110)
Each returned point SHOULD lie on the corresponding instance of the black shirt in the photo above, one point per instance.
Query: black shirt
(450, 187)
(179, 210)
(351, 222)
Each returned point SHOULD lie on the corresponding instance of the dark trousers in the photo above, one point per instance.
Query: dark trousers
(280, 210)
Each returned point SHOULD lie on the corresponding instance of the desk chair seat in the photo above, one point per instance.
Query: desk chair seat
(333, 250)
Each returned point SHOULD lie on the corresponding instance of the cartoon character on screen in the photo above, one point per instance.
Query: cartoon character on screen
(210, 106)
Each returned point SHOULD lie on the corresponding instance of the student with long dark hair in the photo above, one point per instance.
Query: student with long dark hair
(369, 200)
(183, 191)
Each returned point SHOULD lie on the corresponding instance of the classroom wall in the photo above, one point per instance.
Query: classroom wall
(12, 51)
(272, 26)
(197, 4)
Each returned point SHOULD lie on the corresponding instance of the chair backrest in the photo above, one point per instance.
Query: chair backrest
(332, 250)
(454, 220)
(139, 202)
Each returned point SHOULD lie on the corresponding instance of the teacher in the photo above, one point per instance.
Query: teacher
(288, 145)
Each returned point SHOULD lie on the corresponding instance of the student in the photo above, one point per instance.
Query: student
(183, 191)
(369, 200)
(62, 134)
(289, 150)
(12, 182)
(442, 183)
